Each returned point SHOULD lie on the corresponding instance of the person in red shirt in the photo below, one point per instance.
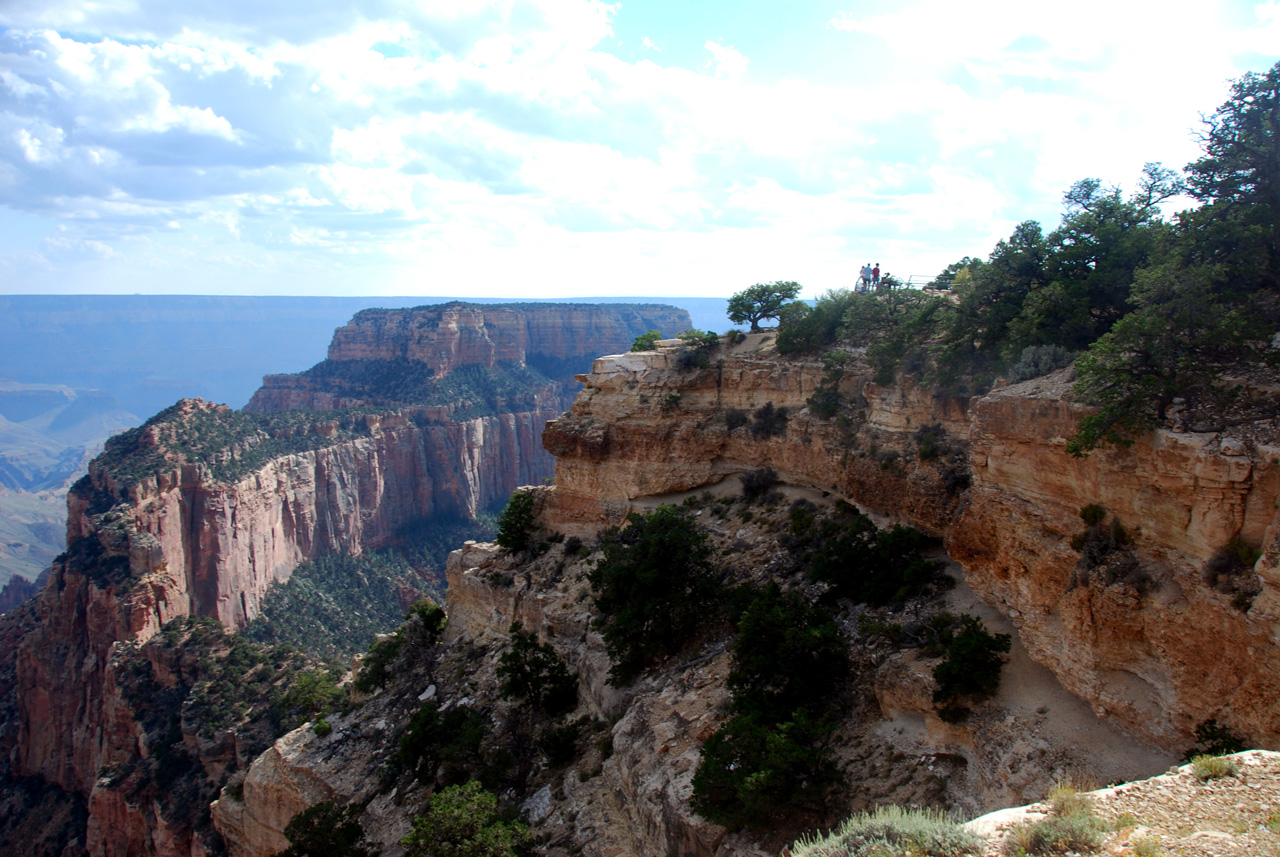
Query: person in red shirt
(875, 275)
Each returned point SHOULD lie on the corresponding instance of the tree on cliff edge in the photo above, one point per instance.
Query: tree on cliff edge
(761, 301)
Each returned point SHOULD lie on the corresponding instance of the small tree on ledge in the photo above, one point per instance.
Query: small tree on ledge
(515, 524)
(761, 301)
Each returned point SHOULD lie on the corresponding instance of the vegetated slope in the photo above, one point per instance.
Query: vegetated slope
(1168, 322)
(334, 606)
(615, 769)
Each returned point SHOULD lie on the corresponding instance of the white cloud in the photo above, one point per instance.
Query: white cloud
(427, 136)
(729, 64)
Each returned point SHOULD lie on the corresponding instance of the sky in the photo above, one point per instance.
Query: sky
(568, 148)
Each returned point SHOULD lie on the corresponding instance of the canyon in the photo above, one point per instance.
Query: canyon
(1151, 654)
(155, 533)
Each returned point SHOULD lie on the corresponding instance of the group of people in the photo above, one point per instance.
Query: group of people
(868, 277)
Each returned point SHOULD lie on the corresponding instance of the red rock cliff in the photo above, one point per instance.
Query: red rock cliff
(178, 540)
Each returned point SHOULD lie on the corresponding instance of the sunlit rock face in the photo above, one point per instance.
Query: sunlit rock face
(443, 338)
(1160, 654)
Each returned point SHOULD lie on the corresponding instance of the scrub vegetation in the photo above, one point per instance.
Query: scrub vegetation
(1163, 317)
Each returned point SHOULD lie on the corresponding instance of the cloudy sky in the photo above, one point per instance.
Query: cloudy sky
(539, 148)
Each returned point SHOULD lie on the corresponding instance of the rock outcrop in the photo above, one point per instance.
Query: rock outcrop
(1160, 651)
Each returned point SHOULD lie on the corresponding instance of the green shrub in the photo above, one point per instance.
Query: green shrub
(735, 418)
(825, 402)
(463, 821)
(314, 692)
(1214, 739)
(970, 670)
(1207, 767)
(1230, 571)
(753, 771)
(867, 565)
(653, 587)
(375, 669)
(931, 442)
(786, 655)
(769, 421)
(516, 523)
(326, 830)
(1093, 515)
(646, 341)
(1055, 835)
(428, 620)
(892, 831)
(773, 757)
(447, 743)
(560, 744)
(757, 483)
(805, 328)
(322, 728)
(533, 673)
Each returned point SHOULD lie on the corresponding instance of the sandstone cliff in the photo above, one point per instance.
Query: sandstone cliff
(989, 477)
(1159, 654)
(558, 339)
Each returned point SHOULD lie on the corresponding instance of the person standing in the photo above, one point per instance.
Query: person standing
(865, 276)
(875, 275)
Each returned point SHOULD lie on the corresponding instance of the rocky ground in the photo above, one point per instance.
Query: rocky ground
(1178, 814)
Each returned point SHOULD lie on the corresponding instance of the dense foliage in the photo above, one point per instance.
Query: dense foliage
(859, 561)
(230, 443)
(646, 341)
(970, 671)
(463, 821)
(443, 746)
(479, 390)
(772, 757)
(423, 626)
(333, 607)
(533, 673)
(1168, 316)
(326, 830)
(653, 586)
(893, 831)
(193, 678)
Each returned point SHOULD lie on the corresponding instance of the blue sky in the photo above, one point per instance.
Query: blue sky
(558, 148)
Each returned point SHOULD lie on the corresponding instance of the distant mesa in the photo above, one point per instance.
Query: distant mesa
(387, 357)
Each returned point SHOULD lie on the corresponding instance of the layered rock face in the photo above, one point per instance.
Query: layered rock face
(179, 540)
(1161, 652)
(185, 543)
(445, 337)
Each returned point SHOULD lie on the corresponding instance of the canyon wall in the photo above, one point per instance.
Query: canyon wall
(184, 543)
(551, 337)
(176, 539)
(1160, 653)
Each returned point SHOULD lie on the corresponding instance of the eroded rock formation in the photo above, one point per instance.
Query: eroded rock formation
(181, 538)
(1160, 651)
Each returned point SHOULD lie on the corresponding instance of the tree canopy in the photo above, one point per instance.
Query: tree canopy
(1170, 321)
(652, 588)
(761, 301)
